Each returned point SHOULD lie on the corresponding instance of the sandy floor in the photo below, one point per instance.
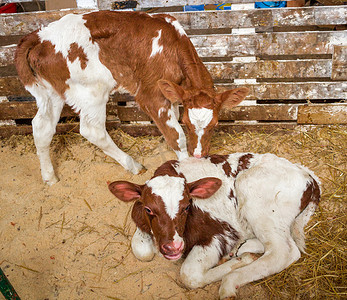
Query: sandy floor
(72, 240)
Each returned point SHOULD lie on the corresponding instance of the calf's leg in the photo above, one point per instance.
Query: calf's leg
(44, 127)
(94, 130)
(200, 268)
(166, 118)
(142, 245)
(280, 252)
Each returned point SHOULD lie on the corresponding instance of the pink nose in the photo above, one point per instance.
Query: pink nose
(172, 247)
(197, 155)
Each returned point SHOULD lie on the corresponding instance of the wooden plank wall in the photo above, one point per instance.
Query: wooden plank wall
(293, 60)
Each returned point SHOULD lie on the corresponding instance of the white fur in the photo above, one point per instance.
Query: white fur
(142, 245)
(177, 26)
(200, 118)
(172, 122)
(156, 48)
(170, 196)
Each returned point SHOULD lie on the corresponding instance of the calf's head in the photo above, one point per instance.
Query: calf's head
(162, 207)
(201, 110)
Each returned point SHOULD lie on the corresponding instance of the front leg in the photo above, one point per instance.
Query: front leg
(142, 245)
(199, 268)
(165, 117)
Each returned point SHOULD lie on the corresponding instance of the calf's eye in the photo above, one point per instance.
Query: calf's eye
(148, 210)
(187, 208)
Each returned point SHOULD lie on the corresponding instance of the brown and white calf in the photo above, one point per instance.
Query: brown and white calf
(81, 59)
(207, 208)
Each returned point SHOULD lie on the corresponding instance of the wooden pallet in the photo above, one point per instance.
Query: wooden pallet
(293, 60)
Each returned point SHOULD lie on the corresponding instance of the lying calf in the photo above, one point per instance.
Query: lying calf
(207, 208)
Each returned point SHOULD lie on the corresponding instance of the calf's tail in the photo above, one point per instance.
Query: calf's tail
(309, 202)
(22, 60)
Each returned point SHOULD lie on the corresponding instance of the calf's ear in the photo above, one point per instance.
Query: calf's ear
(171, 91)
(232, 97)
(125, 191)
(205, 187)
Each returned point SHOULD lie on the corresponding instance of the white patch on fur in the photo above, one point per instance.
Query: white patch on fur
(170, 189)
(161, 110)
(177, 26)
(181, 141)
(200, 118)
(142, 245)
(155, 45)
(177, 238)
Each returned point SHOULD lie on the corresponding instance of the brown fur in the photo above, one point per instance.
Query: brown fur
(77, 52)
(201, 228)
(311, 194)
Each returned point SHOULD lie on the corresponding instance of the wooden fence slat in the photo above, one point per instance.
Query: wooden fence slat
(272, 44)
(279, 112)
(252, 112)
(313, 68)
(28, 109)
(293, 90)
(23, 23)
(11, 86)
(305, 68)
(322, 114)
(7, 55)
(259, 44)
(266, 18)
(339, 63)
(152, 130)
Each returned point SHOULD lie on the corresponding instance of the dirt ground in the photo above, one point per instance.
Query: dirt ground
(72, 240)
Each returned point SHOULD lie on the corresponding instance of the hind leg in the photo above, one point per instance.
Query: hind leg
(280, 252)
(92, 127)
(44, 127)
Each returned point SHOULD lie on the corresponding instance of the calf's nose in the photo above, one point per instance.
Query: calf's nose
(172, 247)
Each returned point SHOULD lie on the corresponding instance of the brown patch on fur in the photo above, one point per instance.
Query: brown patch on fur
(218, 159)
(75, 52)
(201, 228)
(168, 169)
(222, 159)
(243, 164)
(37, 60)
(139, 217)
(311, 194)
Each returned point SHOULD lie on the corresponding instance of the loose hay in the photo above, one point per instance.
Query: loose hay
(104, 240)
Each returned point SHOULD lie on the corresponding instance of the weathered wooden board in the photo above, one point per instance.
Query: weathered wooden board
(23, 23)
(7, 55)
(152, 130)
(310, 68)
(322, 114)
(19, 24)
(339, 63)
(227, 71)
(294, 90)
(28, 109)
(252, 112)
(304, 16)
(11, 86)
(272, 44)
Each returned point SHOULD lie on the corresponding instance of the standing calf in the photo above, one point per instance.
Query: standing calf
(207, 208)
(81, 59)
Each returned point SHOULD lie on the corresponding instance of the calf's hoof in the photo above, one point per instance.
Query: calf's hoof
(142, 171)
(50, 181)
